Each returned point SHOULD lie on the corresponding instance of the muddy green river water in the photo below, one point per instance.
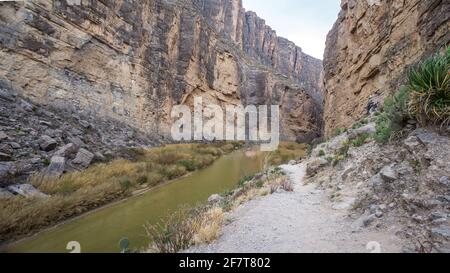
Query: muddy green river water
(101, 230)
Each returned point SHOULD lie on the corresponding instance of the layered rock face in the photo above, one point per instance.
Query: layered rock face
(369, 48)
(133, 61)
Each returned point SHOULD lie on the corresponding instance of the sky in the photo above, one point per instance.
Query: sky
(305, 22)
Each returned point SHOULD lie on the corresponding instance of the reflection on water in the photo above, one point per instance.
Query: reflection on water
(101, 231)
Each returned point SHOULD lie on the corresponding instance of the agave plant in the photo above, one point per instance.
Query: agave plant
(429, 90)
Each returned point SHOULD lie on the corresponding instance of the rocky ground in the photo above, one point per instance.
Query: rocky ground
(41, 139)
(297, 222)
(353, 198)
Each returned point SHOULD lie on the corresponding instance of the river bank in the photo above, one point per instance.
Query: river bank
(74, 194)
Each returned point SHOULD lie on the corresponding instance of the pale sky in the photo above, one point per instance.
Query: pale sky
(305, 22)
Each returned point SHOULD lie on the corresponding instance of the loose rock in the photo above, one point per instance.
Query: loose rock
(388, 174)
(56, 167)
(47, 143)
(27, 190)
(83, 158)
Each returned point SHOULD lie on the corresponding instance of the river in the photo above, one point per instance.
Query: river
(100, 231)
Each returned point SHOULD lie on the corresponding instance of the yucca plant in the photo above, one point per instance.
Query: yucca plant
(429, 90)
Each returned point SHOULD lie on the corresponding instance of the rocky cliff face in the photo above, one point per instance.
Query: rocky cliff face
(133, 60)
(369, 48)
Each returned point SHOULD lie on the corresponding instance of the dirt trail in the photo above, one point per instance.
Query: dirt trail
(296, 222)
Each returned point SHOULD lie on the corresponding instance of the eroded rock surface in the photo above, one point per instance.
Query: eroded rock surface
(134, 60)
(369, 48)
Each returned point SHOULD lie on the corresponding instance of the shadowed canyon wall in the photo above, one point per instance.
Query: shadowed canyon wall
(134, 60)
(369, 48)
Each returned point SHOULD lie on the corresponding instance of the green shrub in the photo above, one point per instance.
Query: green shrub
(188, 164)
(310, 148)
(321, 153)
(359, 141)
(338, 131)
(125, 184)
(394, 115)
(360, 124)
(429, 86)
(244, 180)
(259, 184)
(142, 180)
(46, 162)
(173, 171)
(343, 151)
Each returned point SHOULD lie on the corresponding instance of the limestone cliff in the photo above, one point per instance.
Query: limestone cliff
(133, 60)
(369, 48)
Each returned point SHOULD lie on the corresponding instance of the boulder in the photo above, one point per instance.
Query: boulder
(388, 174)
(67, 150)
(77, 142)
(367, 129)
(214, 199)
(56, 167)
(83, 158)
(47, 143)
(3, 136)
(313, 167)
(27, 190)
(426, 137)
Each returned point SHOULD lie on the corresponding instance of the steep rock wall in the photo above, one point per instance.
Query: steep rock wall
(133, 60)
(369, 48)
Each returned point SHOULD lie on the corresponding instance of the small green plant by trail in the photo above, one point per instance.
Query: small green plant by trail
(359, 141)
(425, 97)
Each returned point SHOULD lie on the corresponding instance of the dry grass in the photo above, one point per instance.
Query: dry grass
(202, 225)
(210, 226)
(78, 192)
(184, 228)
(287, 151)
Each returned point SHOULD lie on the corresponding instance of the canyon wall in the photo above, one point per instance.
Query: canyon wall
(369, 49)
(134, 60)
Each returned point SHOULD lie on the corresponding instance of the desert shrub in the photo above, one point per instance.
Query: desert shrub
(321, 153)
(287, 185)
(360, 140)
(338, 131)
(259, 183)
(184, 228)
(360, 124)
(125, 184)
(244, 180)
(173, 233)
(394, 115)
(142, 180)
(173, 171)
(343, 150)
(154, 179)
(429, 90)
(189, 164)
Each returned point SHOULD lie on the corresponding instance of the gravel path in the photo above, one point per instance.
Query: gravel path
(295, 222)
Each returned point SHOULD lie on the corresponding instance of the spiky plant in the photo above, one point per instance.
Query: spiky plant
(429, 86)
